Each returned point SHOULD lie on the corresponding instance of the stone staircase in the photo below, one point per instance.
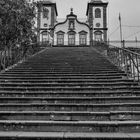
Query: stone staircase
(68, 93)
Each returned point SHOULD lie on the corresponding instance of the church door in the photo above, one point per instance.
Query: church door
(98, 36)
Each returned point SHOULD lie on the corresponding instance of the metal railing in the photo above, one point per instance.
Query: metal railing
(9, 57)
(128, 43)
(126, 60)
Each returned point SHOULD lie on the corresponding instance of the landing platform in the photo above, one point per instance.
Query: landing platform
(67, 135)
(68, 60)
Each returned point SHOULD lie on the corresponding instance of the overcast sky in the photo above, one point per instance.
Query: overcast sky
(129, 9)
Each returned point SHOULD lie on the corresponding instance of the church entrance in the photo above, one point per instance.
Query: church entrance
(98, 36)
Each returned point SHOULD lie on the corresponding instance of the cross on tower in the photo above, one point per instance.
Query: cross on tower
(71, 10)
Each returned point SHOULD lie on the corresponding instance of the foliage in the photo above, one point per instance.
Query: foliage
(16, 22)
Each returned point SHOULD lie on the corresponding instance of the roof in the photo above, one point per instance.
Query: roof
(96, 3)
(74, 17)
(48, 2)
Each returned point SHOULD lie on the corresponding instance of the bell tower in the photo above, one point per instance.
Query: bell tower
(46, 19)
(97, 19)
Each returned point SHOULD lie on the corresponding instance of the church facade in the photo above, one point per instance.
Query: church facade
(72, 32)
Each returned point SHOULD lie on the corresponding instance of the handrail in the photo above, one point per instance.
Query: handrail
(127, 43)
(126, 60)
(126, 50)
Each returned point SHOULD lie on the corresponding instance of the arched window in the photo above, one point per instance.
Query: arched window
(45, 36)
(98, 35)
(45, 13)
(82, 38)
(71, 24)
(71, 38)
(97, 13)
(60, 38)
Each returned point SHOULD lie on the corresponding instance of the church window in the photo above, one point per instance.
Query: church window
(98, 36)
(83, 38)
(71, 38)
(45, 13)
(97, 13)
(71, 25)
(45, 37)
(60, 38)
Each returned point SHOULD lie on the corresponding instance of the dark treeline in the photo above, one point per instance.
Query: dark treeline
(16, 22)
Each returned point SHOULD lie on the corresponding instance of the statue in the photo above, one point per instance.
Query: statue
(71, 25)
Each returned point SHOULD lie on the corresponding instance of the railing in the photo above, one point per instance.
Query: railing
(128, 44)
(9, 57)
(126, 60)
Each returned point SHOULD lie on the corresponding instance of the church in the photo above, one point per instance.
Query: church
(72, 32)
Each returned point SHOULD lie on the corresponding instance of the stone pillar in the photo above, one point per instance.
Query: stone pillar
(90, 19)
(105, 23)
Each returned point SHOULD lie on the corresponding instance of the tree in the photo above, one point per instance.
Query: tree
(16, 21)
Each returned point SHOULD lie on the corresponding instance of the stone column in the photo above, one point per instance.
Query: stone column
(38, 22)
(91, 23)
(105, 23)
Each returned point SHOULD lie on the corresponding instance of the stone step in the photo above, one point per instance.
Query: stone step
(70, 116)
(55, 84)
(100, 81)
(59, 73)
(70, 100)
(46, 77)
(34, 70)
(65, 63)
(77, 91)
(74, 88)
(68, 67)
(59, 61)
(70, 107)
(71, 126)
(62, 75)
(20, 135)
(55, 116)
(118, 93)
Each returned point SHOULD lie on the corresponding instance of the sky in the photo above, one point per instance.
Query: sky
(129, 10)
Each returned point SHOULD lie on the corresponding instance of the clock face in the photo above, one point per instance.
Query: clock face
(98, 25)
